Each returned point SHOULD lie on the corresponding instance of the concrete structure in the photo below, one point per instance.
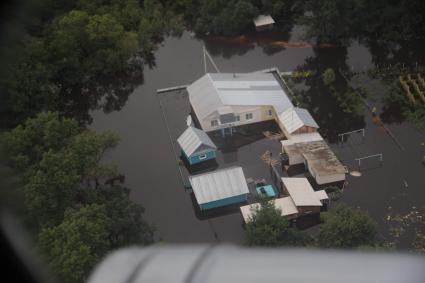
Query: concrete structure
(312, 151)
(220, 188)
(263, 22)
(302, 200)
(196, 146)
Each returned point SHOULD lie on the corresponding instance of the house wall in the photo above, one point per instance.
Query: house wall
(264, 27)
(329, 178)
(224, 202)
(304, 130)
(194, 159)
(308, 209)
(259, 114)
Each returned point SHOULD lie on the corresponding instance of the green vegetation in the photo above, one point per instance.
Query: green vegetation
(346, 227)
(72, 200)
(232, 17)
(401, 109)
(343, 227)
(328, 77)
(268, 228)
(333, 21)
(78, 43)
(347, 98)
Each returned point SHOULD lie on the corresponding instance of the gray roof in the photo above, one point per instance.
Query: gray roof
(217, 90)
(219, 184)
(193, 140)
(295, 118)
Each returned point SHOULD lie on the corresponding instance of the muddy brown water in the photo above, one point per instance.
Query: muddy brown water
(145, 155)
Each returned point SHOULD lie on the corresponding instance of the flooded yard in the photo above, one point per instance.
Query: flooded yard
(146, 157)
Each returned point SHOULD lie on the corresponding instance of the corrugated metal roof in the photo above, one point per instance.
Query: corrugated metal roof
(216, 90)
(295, 118)
(262, 20)
(192, 139)
(301, 192)
(219, 184)
(286, 205)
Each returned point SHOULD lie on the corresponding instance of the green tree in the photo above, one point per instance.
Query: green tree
(328, 77)
(72, 248)
(24, 146)
(346, 227)
(330, 20)
(126, 224)
(269, 228)
(84, 46)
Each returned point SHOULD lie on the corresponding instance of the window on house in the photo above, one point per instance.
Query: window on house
(214, 123)
(202, 156)
(270, 112)
(248, 116)
(237, 118)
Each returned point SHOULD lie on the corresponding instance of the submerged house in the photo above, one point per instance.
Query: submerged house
(263, 22)
(301, 200)
(196, 146)
(221, 101)
(220, 188)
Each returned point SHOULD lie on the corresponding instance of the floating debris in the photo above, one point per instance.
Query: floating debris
(355, 173)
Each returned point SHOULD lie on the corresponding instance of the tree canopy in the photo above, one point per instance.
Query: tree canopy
(269, 228)
(345, 227)
(72, 199)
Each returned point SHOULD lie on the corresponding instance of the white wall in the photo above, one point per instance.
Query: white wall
(257, 116)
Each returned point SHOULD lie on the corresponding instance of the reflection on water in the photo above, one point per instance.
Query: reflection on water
(107, 94)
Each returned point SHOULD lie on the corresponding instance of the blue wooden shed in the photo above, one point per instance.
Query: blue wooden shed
(196, 146)
(220, 188)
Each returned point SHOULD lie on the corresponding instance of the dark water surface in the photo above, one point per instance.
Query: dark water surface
(145, 155)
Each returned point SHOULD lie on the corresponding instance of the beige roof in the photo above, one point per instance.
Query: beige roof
(319, 156)
(308, 137)
(301, 192)
(322, 195)
(322, 160)
(286, 205)
(263, 20)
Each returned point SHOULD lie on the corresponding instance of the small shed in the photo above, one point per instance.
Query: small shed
(220, 188)
(263, 22)
(285, 205)
(296, 120)
(303, 195)
(196, 146)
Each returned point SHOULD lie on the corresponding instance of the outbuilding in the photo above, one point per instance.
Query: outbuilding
(220, 188)
(263, 22)
(303, 195)
(196, 146)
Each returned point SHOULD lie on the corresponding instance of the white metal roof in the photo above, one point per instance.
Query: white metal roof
(263, 20)
(322, 195)
(295, 118)
(301, 192)
(307, 137)
(219, 184)
(216, 90)
(193, 140)
(286, 205)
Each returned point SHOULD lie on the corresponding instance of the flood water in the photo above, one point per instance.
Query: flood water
(146, 158)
